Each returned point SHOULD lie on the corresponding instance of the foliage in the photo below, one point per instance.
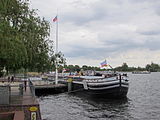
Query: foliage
(153, 67)
(58, 59)
(149, 67)
(73, 68)
(24, 42)
(24, 38)
(124, 67)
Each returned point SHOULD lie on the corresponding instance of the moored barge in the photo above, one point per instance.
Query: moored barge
(110, 85)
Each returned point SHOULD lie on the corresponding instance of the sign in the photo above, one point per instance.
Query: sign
(33, 109)
(33, 116)
(69, 80)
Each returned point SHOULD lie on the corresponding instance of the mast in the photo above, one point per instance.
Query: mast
(56, 77)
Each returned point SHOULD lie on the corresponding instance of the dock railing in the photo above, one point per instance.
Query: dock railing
(13, 92)
(18, 96)
(32, 88)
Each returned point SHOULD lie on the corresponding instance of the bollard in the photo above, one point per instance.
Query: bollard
(69, 84)
(20, 89)
(85, 85)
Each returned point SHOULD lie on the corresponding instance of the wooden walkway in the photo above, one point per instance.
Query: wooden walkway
(20, 102)
(49, 86)
(45, 85)
(15, 97)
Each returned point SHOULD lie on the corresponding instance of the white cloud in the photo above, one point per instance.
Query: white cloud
(92, 30)
(136, 57)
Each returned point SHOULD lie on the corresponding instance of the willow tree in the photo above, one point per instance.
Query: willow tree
(23, 37)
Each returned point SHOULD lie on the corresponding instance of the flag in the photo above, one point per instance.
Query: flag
(64, 70)
(55, 19)
(104, 63)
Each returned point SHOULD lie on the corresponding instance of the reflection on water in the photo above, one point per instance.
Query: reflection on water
(142, 103)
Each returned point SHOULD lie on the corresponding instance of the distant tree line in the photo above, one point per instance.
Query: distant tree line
(77, 68)
(153, 67)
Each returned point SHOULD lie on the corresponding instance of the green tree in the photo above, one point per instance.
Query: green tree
(124, 67)
(153, 67)
(23, 37)
(12, 51)
(84, 67)
(77, 68)
(148, 67)
(58, 59)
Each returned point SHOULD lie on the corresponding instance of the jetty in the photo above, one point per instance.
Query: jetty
(18, 102)
(48, 87)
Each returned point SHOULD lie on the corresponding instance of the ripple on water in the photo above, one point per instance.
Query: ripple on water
(142, 103)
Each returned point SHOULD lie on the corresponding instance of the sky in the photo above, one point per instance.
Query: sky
(90, 31)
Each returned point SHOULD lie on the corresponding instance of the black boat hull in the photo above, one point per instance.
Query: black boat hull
(116, 92)
(113, 86)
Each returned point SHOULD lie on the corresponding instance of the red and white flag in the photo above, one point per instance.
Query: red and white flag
(55, 19)
(64, 70)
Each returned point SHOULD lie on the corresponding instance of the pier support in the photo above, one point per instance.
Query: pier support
(21, 89)
(69, 84)
(120, 80)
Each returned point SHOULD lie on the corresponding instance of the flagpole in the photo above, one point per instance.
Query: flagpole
(57, 35)
(56, 79)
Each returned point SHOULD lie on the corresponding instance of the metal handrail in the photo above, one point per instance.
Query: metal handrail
(32, 88)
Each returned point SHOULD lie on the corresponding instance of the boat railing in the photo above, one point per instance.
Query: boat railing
(98, 80)
(119, 77)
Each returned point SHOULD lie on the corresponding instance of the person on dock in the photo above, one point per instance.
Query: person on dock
(12, 79)
(8, 79)
(25, 85)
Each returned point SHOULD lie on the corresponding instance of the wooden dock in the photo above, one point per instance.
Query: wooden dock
(21, 102)
(45, 87)
(50, 86)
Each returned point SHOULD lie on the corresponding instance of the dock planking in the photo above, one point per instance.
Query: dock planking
(50, 86)
(19, 102)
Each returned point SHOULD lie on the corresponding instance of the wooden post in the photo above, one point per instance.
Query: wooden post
(21, 89)
(69, 84)
(120, 80)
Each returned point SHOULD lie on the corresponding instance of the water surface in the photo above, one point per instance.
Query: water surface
(142, 103)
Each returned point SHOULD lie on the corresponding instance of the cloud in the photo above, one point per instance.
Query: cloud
(92, 30)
